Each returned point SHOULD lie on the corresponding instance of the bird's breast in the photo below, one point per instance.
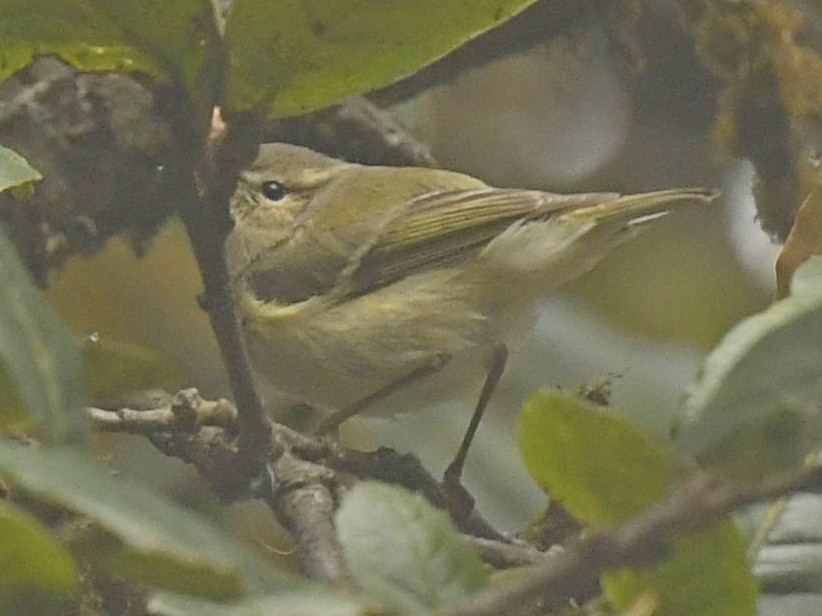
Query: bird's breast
(337, 355)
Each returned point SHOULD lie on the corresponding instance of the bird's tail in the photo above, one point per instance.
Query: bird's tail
(635, 210)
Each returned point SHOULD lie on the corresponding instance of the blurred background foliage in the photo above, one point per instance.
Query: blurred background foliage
(631, 98)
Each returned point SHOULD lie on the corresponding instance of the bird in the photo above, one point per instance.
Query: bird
(382, 290)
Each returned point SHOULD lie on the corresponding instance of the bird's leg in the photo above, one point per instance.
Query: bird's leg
(499, 358)
(333, 421)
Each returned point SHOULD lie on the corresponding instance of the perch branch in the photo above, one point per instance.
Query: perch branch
(304, 472)
(201, 432)
(303, 475)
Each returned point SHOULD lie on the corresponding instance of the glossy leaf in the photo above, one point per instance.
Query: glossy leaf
(293, 56)
(606, 470)
(41, 364)
(755, 407)
(403, 552)
(142, 535)
(169, 40)
(37, 575)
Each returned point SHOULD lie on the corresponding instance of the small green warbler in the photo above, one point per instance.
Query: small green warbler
(384, 289)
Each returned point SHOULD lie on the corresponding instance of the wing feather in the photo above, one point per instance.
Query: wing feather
(447, 227)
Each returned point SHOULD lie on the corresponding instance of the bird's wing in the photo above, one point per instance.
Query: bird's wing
(448, 226)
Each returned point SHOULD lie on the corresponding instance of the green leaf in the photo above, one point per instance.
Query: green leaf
(293, 56)
(317, 603)
(582, 455)
(606, 470)
(403, 552)
(116, 368)
(42, 367)
(755, 407)
(146, 536)
(37, 575)
(170, 40)
(15, 170)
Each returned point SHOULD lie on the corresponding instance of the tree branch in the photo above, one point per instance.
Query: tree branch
(202, 432)
(305, 473)
(640, 542)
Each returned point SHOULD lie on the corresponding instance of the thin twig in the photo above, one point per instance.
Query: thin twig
(505, 555)
(185, 408)
(207, 222)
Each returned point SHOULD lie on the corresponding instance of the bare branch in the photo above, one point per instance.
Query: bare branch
(304, 504)
(202, 432)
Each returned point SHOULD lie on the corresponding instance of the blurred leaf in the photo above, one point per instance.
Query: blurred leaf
(687, 275)
(37, 575)
(755, 407)
(606, 470)
(145, 300)
(15, 170)
(800, 604)
(42, 366)
(807, 279)
(286, 604)
(116, 368)
(13, 414)
(148, 537)
(403, 552)
(294, 56)
(794, 565)
(804, 240)
(789, 567)
(169, 40)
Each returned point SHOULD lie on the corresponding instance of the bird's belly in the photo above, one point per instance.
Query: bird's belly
(328, 387)
(340, 356)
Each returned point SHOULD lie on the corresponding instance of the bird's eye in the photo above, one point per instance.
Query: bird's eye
(274, 191)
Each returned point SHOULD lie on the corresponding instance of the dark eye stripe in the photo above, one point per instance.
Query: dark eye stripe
(274, 191)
